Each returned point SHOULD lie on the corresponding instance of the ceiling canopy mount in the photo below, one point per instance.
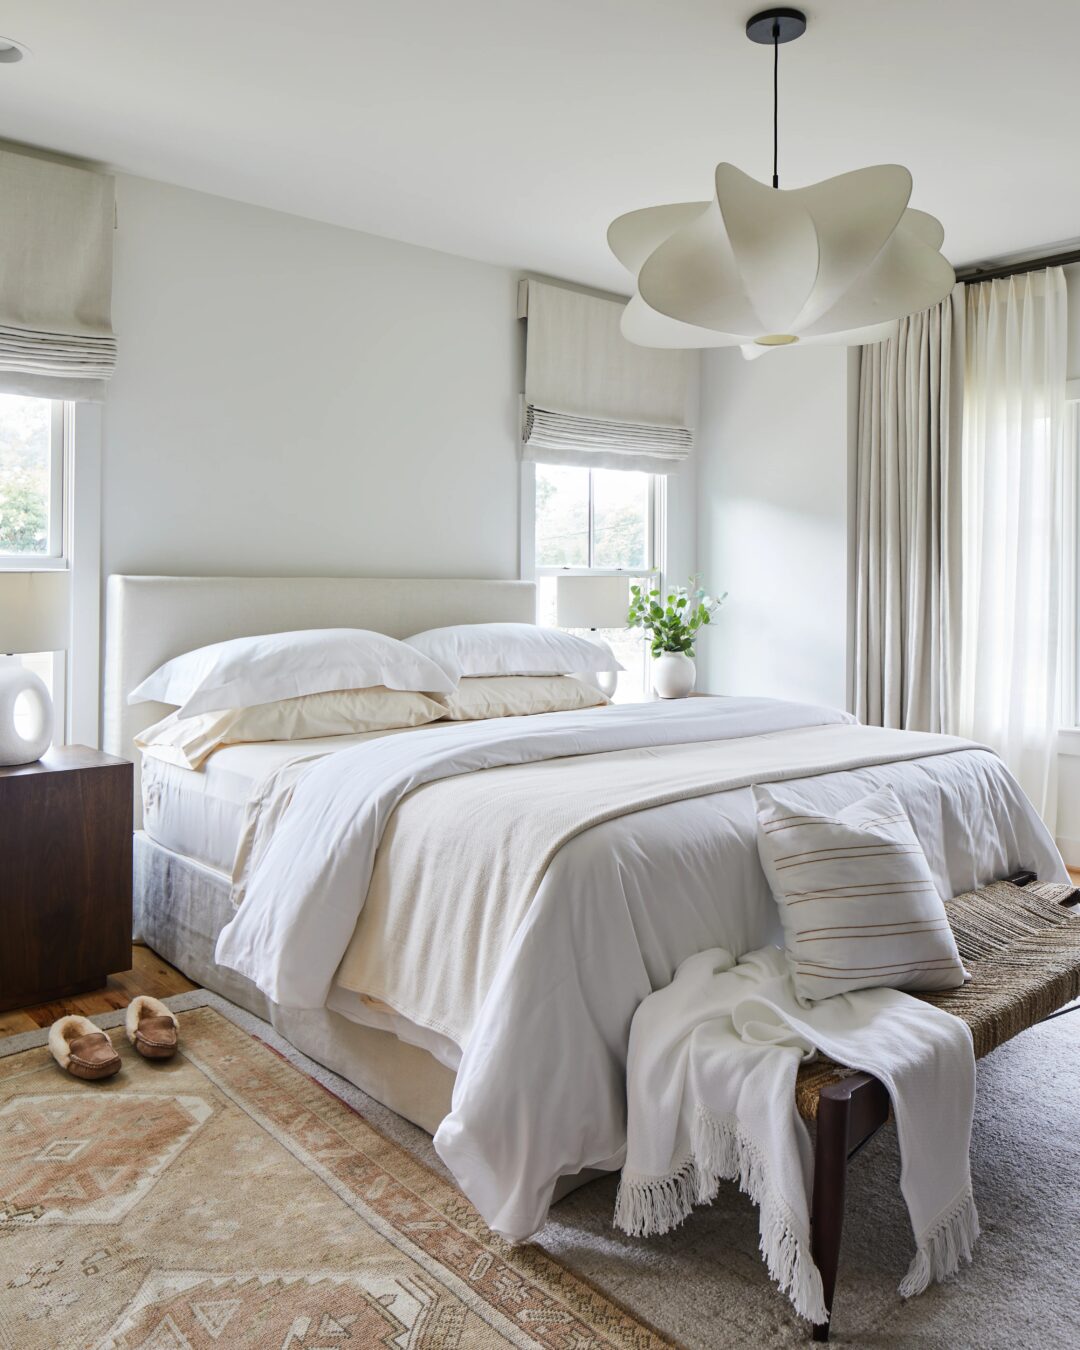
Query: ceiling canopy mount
(776, 26)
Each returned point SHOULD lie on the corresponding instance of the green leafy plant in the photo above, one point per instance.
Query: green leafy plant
(671, 624)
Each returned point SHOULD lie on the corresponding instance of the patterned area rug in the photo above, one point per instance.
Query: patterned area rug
(225, 1199)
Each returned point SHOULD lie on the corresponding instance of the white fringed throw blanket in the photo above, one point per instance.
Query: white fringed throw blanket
(711, 1097)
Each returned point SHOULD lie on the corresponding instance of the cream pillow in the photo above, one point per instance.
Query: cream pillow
(188, 741)
(857, 899)
(482, 696)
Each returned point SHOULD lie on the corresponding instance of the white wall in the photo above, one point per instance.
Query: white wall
(293, 397)
(772, 483)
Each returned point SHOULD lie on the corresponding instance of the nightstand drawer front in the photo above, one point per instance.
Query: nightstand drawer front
(65, 880)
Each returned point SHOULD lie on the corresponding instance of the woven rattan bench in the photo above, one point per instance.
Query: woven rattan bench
(1021, 943)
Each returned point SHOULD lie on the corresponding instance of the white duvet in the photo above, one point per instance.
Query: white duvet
(540, 1091)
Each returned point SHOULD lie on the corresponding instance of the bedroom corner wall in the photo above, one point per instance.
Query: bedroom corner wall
(773, 522)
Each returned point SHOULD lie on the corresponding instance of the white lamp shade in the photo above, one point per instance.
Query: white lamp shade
(837, 262)
(34, 611)
(592, 602)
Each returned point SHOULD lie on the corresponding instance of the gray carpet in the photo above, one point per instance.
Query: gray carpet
(706, 1287)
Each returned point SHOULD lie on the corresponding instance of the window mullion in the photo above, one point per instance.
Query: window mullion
(57, 545)
(591, 551)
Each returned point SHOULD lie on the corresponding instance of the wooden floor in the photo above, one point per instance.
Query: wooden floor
(149, 974)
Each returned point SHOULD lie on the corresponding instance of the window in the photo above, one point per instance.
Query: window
(600, 521)
(32, 517)
(31, 482)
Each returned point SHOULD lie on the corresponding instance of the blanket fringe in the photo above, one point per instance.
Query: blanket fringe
(725, 1152)
(645, 1206)
(722, 1151)
(946, 1243)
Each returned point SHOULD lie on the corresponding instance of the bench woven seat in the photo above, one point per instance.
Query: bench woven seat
(1022, 949)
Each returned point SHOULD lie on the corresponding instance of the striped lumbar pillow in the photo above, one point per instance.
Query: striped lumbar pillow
(856, 896)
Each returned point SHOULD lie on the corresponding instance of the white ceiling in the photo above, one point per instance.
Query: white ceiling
(514, 131)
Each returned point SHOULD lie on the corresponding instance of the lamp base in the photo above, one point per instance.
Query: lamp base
(24, 735)
(607, 681)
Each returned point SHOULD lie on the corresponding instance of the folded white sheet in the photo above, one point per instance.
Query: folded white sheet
(711, 1097)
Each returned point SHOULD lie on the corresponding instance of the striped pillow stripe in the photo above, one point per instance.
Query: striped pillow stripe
(857, 899)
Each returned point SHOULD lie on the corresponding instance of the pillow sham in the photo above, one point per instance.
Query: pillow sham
(477, 649)
(243, 672)
(857, 899)
(481, 696)
(189, 741)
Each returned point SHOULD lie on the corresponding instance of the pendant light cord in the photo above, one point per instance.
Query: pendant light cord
(775, 102)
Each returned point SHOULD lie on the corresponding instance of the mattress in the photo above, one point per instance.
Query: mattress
(199, 813)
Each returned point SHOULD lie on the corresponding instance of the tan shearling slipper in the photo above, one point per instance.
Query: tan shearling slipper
(151, 1028)
(83, 1049)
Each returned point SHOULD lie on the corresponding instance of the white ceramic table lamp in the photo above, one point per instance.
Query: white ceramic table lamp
(33, 618)
(593, 602)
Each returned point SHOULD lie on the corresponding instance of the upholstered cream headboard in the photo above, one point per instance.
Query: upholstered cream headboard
(150, 619)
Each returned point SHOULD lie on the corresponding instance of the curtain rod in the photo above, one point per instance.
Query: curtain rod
(970, 275)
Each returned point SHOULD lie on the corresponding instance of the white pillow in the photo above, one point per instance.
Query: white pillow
(481, 696)
(857, 898)
(512, 649)
(189, 741)
(244, 671)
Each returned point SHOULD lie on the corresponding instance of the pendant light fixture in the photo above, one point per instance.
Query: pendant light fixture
(760, 267)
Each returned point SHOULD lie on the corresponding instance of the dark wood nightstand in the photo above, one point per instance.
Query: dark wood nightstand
(65, 874)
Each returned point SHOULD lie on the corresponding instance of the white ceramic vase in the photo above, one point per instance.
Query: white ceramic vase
(673, 674)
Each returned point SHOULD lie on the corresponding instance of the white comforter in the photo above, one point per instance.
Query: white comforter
(313, 836)
(540, 1091)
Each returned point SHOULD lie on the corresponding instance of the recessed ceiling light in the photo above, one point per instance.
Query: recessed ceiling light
(12, 51)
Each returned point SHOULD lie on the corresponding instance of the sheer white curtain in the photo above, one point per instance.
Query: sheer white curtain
(1013, 516)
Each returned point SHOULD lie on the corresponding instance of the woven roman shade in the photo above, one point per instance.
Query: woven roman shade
(593, 399)
(56, 231)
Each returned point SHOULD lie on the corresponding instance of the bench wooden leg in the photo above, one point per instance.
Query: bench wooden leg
(849, 1112)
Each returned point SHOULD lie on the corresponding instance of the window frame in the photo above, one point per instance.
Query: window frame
(654, 544)
(56, 559)
(75, 669)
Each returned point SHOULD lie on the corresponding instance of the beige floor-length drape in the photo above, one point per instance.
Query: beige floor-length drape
(908, 624)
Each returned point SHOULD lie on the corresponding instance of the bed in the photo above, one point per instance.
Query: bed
(489, 903)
